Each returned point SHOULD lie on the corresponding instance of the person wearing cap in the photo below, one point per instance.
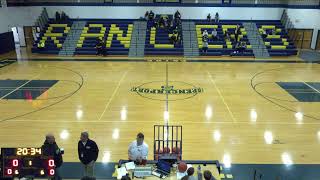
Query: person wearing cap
(50, 148)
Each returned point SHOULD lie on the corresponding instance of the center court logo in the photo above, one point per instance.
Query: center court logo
(176, 90)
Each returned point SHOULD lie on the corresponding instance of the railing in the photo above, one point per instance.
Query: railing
(315, 3)
(257, 37)
(288, 2)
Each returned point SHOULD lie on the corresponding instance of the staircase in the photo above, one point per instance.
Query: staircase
(190, 41)
(256, 41)
(138, 39)
(70, 44)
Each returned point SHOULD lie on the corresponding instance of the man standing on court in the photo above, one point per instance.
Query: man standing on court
(138, 150)
(88, 153)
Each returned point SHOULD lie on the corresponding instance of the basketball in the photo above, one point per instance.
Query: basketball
(166, 150)
(157, 154)
(176, 150)
(159, 151)
(182, 167)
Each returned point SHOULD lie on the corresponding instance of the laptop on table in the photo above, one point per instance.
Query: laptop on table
(163, 169)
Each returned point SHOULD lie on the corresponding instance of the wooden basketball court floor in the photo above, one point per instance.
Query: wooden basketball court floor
(240, 113)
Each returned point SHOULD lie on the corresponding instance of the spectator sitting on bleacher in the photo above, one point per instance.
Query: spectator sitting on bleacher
(178, 31)
(241, 47)
(237, 32)
(214, 34)
(227, 35)
(146, 15)
(170, 26)
(177, 15)
(58, 17)
(174, 38)
(264, 33)
(209, 18)
(166, 21)
(217, 17)
(41, 45)
(151, 15)
(99, 47)
(205, 33)
(273, 32)
(161, 22)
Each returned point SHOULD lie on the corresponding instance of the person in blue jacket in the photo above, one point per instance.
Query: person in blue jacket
(88, 153)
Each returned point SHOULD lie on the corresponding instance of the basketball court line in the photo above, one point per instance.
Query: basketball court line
(312, 87)
(3, 87)
(113, 94)
(19, 86)
(222, 98)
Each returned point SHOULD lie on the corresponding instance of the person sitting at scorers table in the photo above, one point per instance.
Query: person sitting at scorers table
(138, 150)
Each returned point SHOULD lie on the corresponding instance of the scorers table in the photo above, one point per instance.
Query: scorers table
(212, 166)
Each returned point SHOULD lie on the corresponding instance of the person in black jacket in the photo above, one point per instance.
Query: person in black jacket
(88, 153)
(99, 47)
(58, 17)
(50, 148)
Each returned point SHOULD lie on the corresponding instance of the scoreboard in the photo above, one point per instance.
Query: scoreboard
(26, 162)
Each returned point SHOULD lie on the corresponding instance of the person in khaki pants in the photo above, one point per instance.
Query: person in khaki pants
(88, 153)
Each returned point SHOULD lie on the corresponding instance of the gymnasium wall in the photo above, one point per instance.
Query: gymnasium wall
(133, 12)
(6, 42)
(17, 17)
(306, 19)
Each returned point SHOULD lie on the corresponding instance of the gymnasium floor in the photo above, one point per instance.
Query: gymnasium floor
(242, 113)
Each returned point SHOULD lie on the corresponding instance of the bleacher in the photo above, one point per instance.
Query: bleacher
(158, 42)
(117, 34)
(222, 47)
(280, 43)
(53, 37)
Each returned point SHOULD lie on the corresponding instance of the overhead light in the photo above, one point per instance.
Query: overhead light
(217, 135)
(106, 157)
(208, 112)
(79, 114)
(165, 134)
(166, 116)
(299, 116)
(268, 137)
(286, 159)
(253, 115)
(123, 114)
(64, 134)
(227, 160)
(115, 134)
(318, 135)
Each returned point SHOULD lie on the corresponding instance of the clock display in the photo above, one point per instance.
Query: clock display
(28, 151)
